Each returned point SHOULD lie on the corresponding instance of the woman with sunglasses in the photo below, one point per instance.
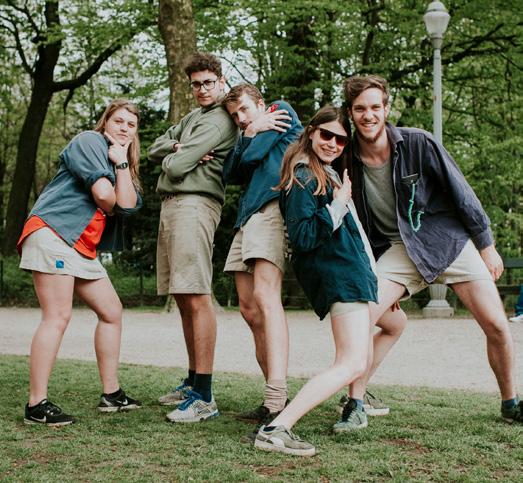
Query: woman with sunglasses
(332, 261)
(79, 211)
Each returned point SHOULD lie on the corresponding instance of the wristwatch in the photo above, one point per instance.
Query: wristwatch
(122, 165)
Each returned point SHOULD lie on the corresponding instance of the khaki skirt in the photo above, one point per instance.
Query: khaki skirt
(44, 251)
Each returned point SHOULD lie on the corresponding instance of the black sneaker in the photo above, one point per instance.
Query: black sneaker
(45, 412)
(513, 414)
(254, 415)
(119, 402)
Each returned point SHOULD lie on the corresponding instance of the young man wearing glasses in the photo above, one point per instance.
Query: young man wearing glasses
(257, 254)
(425, 225)
(192, 192)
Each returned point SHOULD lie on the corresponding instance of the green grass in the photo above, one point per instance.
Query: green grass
(430, 435)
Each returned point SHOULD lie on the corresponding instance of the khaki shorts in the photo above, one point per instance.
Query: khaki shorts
(263, 236)
(185, 243)
(341, 308)
(395, 265)
(44, 251)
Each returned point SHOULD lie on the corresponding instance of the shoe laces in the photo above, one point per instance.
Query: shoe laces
(181, 387)
(349, 411)
(191, 397)
(371, 397)
(51, 409)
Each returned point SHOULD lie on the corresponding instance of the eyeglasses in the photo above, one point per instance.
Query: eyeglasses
(207, 84)
(326, 135)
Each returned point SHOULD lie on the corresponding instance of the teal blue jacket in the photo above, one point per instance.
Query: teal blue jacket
(255, 163)
(331, 266)
(67, 205)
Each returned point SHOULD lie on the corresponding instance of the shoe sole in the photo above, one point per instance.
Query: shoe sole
(350, 430)
(63, 423)
(369, 411)
(114, 409)
(171, 403)
(194, 420)
(266, 446)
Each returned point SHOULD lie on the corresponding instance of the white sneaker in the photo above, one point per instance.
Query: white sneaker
(517, 319)
(193, 410)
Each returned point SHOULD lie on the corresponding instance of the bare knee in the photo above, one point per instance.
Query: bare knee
(351, 369)
(392, 323)
(57, 320)
(496, 330)
(267, 296)
(111, 314)
(251, 314)
(190, 305)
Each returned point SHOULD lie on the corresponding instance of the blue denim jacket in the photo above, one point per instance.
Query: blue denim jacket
(256, 163)
(450, 212)
(67, 205)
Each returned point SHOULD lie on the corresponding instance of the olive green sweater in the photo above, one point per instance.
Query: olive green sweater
(203, 130)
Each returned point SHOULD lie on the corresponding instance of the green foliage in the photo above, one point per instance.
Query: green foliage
(434, 435)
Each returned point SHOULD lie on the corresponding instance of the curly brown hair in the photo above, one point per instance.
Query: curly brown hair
(203, 61)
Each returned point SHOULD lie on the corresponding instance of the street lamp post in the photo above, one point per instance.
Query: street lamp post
(436, 19)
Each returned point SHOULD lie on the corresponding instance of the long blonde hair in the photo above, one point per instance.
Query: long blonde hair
(302, 150)
(133, 154)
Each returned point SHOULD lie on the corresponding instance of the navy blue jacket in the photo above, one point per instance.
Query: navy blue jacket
(330, 266)
(67, 205)
(256, 163)
(452, 213)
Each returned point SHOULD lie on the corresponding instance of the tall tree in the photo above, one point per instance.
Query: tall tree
(48, 36)
(176, 23)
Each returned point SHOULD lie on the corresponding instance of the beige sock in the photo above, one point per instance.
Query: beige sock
(275, 395)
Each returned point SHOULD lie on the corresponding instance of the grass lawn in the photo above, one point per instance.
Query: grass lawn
(430, 435)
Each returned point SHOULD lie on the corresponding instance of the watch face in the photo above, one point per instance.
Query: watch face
(122, 165)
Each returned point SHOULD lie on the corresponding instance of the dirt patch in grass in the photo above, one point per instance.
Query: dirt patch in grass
(408, 445)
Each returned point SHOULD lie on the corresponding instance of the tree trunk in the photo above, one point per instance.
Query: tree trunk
(41, 95)
(176, 23)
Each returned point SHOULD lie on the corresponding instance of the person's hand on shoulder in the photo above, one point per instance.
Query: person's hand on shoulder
(271, 119)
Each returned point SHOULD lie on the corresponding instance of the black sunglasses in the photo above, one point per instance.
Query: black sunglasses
(327, 135)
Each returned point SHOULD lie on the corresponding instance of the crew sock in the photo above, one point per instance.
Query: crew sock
(189, 380)
(359, 403)
(275, 395)
(202, 385)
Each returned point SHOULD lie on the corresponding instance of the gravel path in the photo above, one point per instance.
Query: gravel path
(435, 353)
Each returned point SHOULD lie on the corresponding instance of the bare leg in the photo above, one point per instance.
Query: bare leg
(351, 337)
(252, 315)
(55, 295)
(267, 294)
(200, 313)
(101, 297)
(185, 313)
(388, 293)
(481, 297)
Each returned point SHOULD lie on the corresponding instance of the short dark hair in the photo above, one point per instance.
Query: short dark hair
(237, 91)
(203, 61)
(356, 84)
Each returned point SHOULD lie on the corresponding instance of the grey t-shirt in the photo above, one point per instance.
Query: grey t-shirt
(381, 199)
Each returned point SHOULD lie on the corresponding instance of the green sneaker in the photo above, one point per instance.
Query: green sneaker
(352, 418)
(282, 440)
(514, 414)
(372, 405)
